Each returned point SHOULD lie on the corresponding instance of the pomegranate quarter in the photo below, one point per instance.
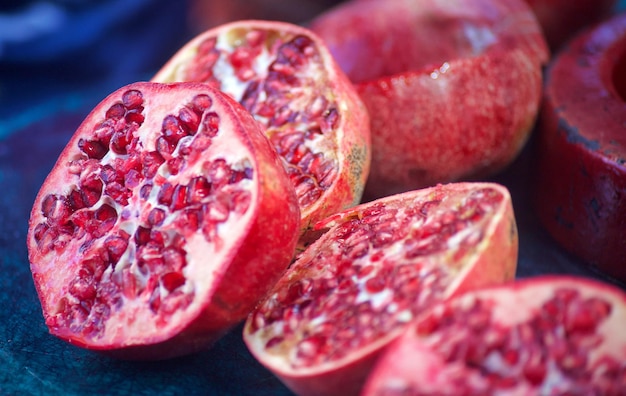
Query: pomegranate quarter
(165, 219)
(539, 336)
(286, 77)
(375, 269)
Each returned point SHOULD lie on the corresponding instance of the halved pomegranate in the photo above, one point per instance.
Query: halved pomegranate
(376, 268)
(538, 336)
(285, 76)
(580, 191)
(452, 86)
(165, 219)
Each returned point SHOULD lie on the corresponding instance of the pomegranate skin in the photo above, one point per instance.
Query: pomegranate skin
(344, 149)
(228, 274)
(562, 19)
(580, 193)
(302, 304)
(453, 88)
(496, 350)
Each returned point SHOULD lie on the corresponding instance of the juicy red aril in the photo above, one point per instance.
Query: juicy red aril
(555, 342)
(379, 287)
(132, 99)
(93, 148)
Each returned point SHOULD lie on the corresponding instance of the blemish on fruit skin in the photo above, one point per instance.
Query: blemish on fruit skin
(573, 136)
(595, 206)
(558, 217)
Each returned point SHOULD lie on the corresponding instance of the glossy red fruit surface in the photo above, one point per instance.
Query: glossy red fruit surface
(544, 336)
(376, 268)
(580, 193)
(284, 75)
(561, 20)
(166, 218)
(452, 87)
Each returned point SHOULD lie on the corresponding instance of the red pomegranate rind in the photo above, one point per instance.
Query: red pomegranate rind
(550, 335)
(560, 20)
(378, 265)
(284, 75)
(165, 219)
(580, 192)
(452, 87)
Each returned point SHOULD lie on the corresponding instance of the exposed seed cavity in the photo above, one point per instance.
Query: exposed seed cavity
(362, 284)
(120, 213)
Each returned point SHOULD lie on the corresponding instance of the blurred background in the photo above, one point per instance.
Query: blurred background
(59, 55)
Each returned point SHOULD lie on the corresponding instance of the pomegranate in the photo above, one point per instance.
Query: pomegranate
(580, 190)
(377, 266)
(452, 87)
(165, 219)
(560, 20)
(550, 335)
(284, 75)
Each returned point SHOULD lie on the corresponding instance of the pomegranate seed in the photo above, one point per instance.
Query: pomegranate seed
(83, 288)
(172, 280)
(116, 245)
(166, 194)
(210, 124)
(189, 119)
(175, 165)
(116, 111)
(151, 162)
(201, 103)
(156, 217)
(375, 285)
(135, 117)
(164, 148)
(174, 259)
(120, 141)
(93, 148)
(198, 189)
(132, 99)
(179, 197)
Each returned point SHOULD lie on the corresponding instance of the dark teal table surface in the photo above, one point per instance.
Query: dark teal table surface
(40, 107)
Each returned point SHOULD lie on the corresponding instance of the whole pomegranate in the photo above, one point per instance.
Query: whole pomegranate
(375, 269)
(452, 86)
(580, 190)
(166, 218)
(284, 75)
(550, 335)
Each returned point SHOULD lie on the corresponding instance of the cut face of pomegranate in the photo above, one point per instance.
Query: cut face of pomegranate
(580, 190)
(543, 336)
(165, 219)
(452, 87)
(375, 269)
(284, 75)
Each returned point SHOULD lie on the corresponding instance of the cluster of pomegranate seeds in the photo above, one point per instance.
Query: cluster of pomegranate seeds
(553, 350)
(134, 198)
(370, 275)
(274, 77)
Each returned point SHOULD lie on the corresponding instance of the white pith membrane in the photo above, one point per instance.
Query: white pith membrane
(321, 312)
(121, 311)
(557, 359)
(302, 109)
